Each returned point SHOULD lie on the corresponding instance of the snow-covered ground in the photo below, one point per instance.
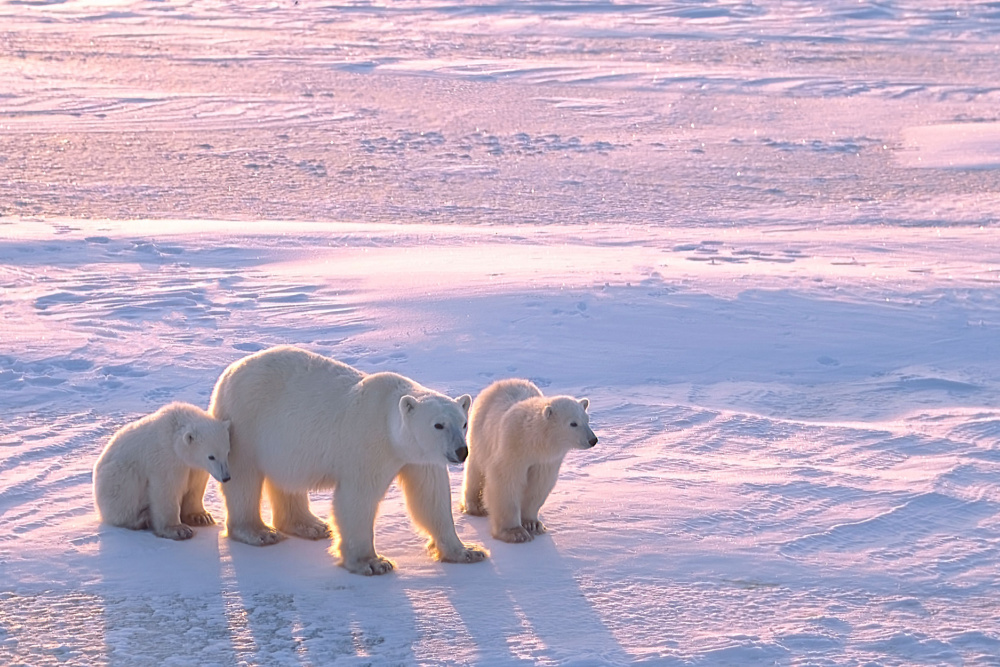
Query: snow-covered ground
(761, 237)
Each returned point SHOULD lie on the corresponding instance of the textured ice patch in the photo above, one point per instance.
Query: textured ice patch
(952, 146)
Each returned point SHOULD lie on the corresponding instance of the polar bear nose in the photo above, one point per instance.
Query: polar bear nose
(593, 441)
(462, 453)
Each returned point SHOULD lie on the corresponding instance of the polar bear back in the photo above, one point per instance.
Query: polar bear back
(154, 440)
(488, 410)
(286, 404)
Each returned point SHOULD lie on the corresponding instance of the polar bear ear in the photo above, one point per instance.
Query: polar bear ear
(547, 411)
(407, 404)
(228, 424)
(465, 401)
(585, 402)
(188, 437)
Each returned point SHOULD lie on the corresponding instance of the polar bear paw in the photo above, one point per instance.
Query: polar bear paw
(260, 537)
(313, 530)
(202, 518)
(474, 508)
(533, 526)
(514, 535)
(178, 532)
(371, 566)
(464, 553)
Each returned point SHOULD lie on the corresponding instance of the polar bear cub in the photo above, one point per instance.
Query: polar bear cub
(301, 421)
(153, 472)
(517, 441)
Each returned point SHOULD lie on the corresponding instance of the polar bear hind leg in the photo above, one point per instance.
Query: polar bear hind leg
(291, 515)
(472, 488)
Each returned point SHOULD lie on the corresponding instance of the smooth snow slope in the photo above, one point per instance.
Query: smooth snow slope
(761, 237)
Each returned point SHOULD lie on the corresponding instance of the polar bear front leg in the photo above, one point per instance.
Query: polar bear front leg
(428, 498)
(242, 494)
(193, 511)
(502, 496)
(541, 480)
(354, 508)
(292, 516)
(165, 507)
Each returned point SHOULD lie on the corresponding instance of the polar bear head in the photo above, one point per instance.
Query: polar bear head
(568, 423)
(202, 441)
(434, 427)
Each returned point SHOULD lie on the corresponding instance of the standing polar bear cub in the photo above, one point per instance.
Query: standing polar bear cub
(152, 473)
(517, 442)
(301, 421)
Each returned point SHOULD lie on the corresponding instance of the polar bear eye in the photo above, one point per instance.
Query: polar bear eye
(211, 458)
(465, 426)
(573, 424)
(439, 427)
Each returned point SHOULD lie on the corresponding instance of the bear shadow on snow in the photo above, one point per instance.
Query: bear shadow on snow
(296, 584)
(535, 601)
(150, 576)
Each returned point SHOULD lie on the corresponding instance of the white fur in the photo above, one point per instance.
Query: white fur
(517, 441)
(153, 472)
(301, 421)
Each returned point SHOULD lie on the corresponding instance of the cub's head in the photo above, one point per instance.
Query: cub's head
(204, 443)
(434, 428)
(569, 423)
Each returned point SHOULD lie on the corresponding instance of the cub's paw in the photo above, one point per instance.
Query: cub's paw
(198, 519)
(371, 566)
(178, 532)
(513, 535)
(533, 526)
(261, 537)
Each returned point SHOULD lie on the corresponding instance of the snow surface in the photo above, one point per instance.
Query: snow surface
(760, 236)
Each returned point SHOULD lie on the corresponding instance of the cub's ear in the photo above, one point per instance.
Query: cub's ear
(465, 401)
(189, 437)
(228, 424)
(547, 411)
(407, 404)
(585, 402)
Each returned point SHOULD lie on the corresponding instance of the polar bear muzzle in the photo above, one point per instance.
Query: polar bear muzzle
(459, 450)
(218, 469)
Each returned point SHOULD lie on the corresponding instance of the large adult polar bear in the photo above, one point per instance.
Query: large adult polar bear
(300, 421)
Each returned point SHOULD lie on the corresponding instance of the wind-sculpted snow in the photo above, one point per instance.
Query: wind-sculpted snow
(761, 237)
(805, 470)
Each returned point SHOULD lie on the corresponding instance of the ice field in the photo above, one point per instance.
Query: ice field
(761, 237)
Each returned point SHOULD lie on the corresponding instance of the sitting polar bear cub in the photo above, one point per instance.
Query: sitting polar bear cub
(152, 473)
(301, 421)
(517, 442)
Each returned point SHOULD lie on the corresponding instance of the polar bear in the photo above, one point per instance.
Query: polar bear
(153, 472)
(301, 421)
(517, 442)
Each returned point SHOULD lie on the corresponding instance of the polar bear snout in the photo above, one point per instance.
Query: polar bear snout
(592, 441)
(459, 455)
(220, 471)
